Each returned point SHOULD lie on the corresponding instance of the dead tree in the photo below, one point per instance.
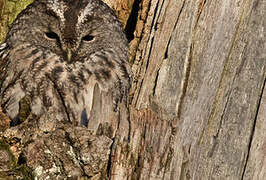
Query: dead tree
(198, 99)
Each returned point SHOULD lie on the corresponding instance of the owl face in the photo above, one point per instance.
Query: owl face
(69, 28)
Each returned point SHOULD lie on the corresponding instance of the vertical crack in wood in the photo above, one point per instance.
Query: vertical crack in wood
(222, 116)
(109, 162)
(153, 26)
(225, 69)
(149, 54)
(141, 14)
(132, 20)
(185, 79)
(155, 83)
(154, 16)
(146, 67)
(186, 70)
(167, 46)
(179, 14)
(151, 38)
(253, 129)
(168, 43)
(200, 8)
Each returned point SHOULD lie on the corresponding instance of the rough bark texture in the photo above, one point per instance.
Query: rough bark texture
(198, 100)
(200, 68)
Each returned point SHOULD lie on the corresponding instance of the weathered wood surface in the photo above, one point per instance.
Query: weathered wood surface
(198, 99)
(200, 68)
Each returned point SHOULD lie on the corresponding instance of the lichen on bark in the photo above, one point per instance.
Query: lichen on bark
(9, 9)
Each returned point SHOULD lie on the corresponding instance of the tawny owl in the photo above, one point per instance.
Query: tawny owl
(68, 59)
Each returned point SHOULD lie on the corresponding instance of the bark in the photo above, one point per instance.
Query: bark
(9, 9)
(200, 90)
(198, 99)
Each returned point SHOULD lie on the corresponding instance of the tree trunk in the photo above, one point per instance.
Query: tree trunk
(199, 91)
(198, 99)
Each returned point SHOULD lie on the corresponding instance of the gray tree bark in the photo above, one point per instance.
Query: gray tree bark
(199, 90)
(198, 99)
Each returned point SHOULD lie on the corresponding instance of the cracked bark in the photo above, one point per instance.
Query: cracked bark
(198, 99)
(207, 81)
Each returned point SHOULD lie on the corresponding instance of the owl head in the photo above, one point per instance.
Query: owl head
(72, 29)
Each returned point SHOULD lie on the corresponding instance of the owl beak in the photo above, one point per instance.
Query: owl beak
(69, 55)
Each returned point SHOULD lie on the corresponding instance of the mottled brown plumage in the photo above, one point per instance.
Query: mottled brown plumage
(69, 58)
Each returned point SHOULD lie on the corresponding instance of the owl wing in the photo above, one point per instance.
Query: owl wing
(96, 104)
(10, 90)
